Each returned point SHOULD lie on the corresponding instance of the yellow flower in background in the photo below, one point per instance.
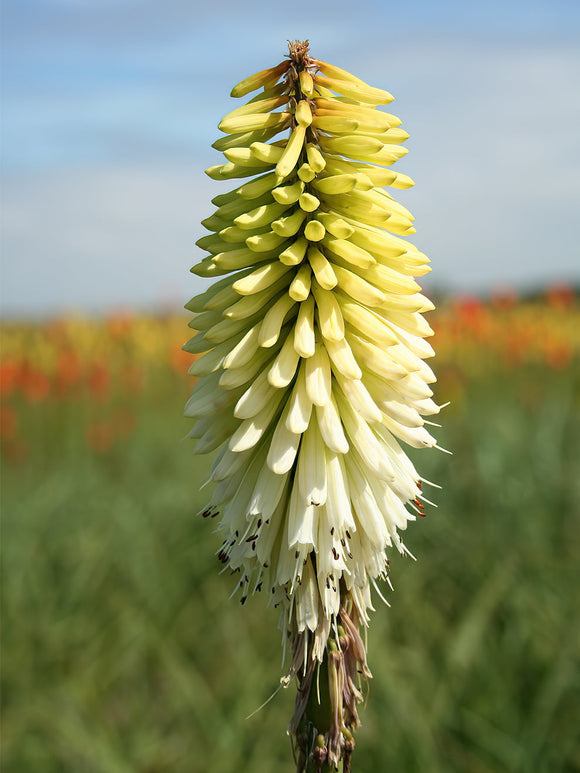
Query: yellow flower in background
(314, 368)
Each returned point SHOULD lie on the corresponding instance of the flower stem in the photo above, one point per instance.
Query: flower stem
(325, 715)
(316, 721)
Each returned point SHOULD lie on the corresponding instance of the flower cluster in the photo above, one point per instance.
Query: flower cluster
(314, 368)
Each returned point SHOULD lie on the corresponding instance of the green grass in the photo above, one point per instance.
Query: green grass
(123, 654)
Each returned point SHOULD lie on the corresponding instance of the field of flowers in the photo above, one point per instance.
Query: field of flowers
(121, 652)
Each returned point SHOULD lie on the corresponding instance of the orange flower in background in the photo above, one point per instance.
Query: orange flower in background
(473, 314)
(99, 380)
(120, 323)
(79, 364)
(557, 353)
(10, 371)
(34, 384)
(69, 372)
(560, 296)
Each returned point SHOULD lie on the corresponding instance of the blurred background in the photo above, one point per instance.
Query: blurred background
(121, 651)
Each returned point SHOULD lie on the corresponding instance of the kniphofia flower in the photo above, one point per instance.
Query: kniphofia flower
(314, 369)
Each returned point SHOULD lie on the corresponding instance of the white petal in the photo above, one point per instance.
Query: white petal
(359, 398)
(267, 493)
(266, 550)
(235, 377)
(304, 337)
(311, 472)
(331, 427)
(419, 346)
(330, 558)
(367, 512)
(256, 397)
(318, 376)
(284, 367)
(374, 359)
(338, 496)
(365, 441)
(228, 464)
(274, 319)
(284, 446)
(251, 430)
(412, 387)
(417, 437)
(243, 352)
(342, 358)
(301, 520)
(300, 406)
(427, 407)
(329, 315)
(330, 595)
(307, 600)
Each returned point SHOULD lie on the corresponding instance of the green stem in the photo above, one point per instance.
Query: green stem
(316, 722)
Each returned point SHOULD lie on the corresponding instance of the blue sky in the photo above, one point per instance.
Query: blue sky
(110, 107)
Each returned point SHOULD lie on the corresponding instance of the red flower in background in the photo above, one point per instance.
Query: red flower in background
(560, 296)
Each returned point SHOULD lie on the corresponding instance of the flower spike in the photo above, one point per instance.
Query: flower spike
(313, 376)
